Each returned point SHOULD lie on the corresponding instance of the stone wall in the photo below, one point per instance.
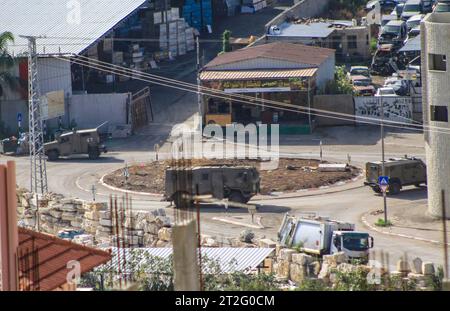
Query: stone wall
(138, 229)
(289, 265)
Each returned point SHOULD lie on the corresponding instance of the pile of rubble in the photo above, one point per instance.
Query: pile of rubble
(291, 266)
(99, 226)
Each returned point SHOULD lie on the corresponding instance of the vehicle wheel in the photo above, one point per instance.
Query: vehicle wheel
(394, 188)
(53, 155)
(180, 200)
(94, 154)
(238, 197)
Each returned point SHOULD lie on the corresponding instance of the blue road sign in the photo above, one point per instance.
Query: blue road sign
(19, 117)
(383, 180)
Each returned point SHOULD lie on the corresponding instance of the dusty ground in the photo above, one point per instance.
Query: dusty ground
(301, 175)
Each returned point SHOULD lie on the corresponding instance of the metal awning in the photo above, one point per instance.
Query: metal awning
(229, 259)
(215, 75)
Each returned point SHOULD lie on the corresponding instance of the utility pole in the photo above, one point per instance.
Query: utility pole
(382, 157)
(38, 169)
(199, 96)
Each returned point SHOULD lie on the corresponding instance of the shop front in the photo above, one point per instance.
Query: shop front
(282, 100)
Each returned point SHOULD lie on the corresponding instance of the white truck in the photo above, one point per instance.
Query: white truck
(322, 236)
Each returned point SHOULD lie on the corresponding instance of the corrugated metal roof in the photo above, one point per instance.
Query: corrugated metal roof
(312, 30)
(50, 18)
(53, 255)
(230, 259)
(214, 75)
(295, 53)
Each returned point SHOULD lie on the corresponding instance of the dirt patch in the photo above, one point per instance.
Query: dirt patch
(291, 175)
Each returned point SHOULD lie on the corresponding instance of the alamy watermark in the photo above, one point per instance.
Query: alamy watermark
(73, 12)
(235, 141)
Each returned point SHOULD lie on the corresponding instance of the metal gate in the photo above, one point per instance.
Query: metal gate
(141, 112)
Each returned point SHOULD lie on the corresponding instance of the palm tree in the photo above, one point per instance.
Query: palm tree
(6, 60)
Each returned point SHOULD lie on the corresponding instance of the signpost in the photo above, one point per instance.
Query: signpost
(383, 183)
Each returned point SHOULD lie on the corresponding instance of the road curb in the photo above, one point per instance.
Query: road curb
(411, 237)
(148, 194)
(310, 192)
(304, 193)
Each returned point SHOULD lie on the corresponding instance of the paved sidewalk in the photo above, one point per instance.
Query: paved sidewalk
(409, 221)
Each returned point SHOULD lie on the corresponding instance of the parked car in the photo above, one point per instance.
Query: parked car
(386, 60)
(394, 32)
(386, 19)
(414, 21)
(384, 4)
(362, 86)
(397, 11)
(413, 33)
(359, 71)
(385, 91)
(428, 5)
(442, 7)
(400, 86)
(411, 8)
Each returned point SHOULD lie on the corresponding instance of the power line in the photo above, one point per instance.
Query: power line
(89, 61)
(350, 118)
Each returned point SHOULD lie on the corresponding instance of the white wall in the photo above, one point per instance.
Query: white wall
(435, 29)
(325, 72)
(54, 75)
(90, 110)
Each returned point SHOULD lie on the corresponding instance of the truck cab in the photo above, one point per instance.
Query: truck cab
(353, 243)
(401, 172)
(322, 236)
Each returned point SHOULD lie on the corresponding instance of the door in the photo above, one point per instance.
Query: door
(420, 172)
(217, 184)
(76, 143)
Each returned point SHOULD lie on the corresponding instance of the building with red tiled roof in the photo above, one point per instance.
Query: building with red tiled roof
(43, 260)
(279, 73)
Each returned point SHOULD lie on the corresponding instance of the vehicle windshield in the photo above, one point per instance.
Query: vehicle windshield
(442, 7)
(386, 92)
(361, 83)
(412, 24)
(391, 29)
(411, 8)
(356, 241)
(360, 71)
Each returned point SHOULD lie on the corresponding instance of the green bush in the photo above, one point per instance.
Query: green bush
(341, 84)
(381, 223)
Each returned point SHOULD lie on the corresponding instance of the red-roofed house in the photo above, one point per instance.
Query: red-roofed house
(279, 72)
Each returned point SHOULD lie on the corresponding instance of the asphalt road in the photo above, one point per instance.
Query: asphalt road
(75, 177)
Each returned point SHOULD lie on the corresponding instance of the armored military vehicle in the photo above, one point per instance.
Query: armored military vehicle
(75, 142)
(237, 184)
(401, 171)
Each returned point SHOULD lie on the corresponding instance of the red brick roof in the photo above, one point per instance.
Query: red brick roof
(52, 256)
(297, 53)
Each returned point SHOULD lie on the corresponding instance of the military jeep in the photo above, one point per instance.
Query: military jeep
(75, 142)
(401, 171)
(237, 184)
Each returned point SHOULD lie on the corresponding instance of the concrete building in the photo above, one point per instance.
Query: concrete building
(65, 38)
(435, 30)
(347, 38)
